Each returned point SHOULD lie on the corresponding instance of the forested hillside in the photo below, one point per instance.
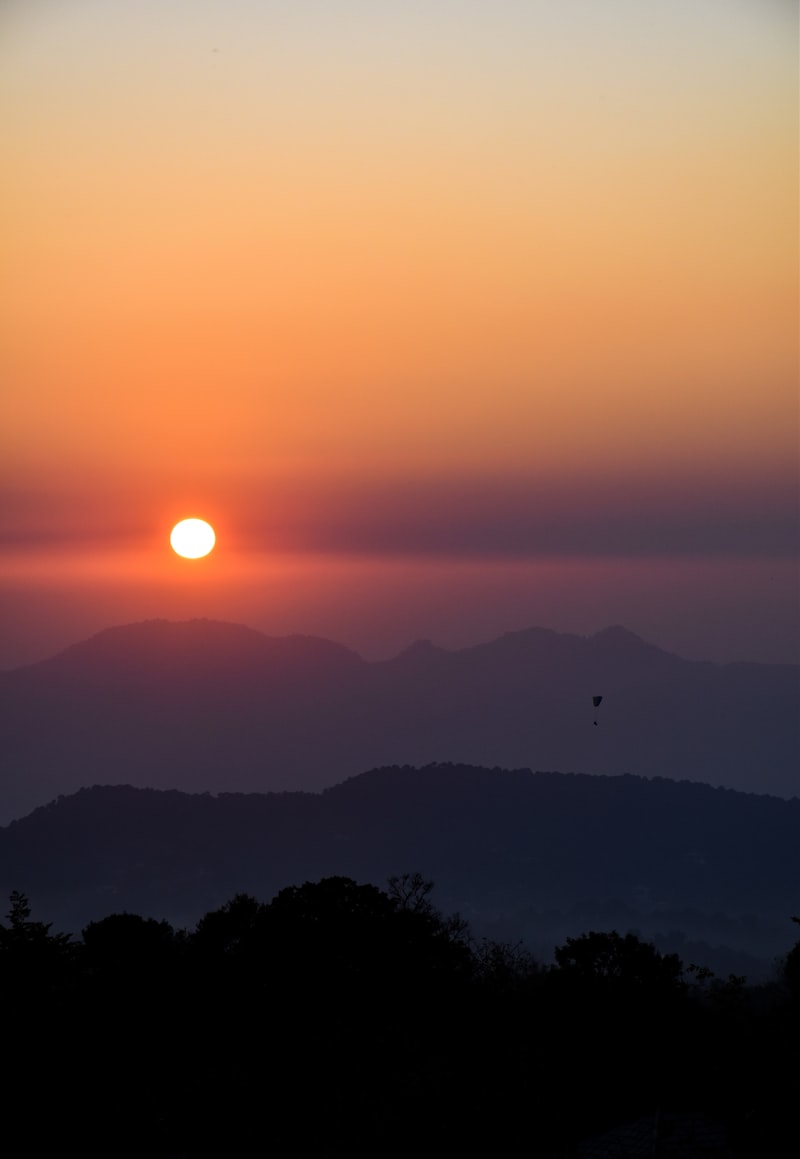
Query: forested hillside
(526, 856)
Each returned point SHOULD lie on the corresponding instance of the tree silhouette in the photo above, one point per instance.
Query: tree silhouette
(791, 967)
(29, 953)
(340, 1019)
(231, 928)
(625, 959)
(410, 891)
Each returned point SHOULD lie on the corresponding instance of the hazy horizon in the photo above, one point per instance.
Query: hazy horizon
(453, 319)
(375, 642)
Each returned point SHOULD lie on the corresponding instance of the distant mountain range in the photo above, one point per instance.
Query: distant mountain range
(709, 873)
(209, 706)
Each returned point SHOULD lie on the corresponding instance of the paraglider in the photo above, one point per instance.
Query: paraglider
(595, 701)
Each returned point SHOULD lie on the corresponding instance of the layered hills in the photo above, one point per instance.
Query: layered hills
(710, 873)
(209, 706)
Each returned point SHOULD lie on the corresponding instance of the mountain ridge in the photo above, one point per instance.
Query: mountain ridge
(615, 634)
(208, 705)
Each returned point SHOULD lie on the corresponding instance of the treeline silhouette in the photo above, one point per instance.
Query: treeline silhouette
(708, 873)
(340, 1019)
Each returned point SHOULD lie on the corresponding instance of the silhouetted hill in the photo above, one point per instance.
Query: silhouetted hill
(212, 706)
(536, 856)
(189, 651)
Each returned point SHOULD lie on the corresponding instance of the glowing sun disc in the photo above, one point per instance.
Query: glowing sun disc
(192, 538)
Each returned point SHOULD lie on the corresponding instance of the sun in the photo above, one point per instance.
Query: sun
(192, 538)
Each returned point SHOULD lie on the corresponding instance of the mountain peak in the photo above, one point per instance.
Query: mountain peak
(178, 643)
(421, 649)
(617, 633)
(621, 641)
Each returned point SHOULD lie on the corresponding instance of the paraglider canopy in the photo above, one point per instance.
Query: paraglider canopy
(595, 701)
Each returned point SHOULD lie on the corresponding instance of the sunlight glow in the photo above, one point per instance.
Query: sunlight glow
(192, 538)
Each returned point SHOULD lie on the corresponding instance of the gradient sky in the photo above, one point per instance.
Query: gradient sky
(454, 318)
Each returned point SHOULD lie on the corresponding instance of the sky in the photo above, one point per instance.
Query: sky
(453, 318)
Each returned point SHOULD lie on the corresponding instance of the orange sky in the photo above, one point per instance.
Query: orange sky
(397, 283)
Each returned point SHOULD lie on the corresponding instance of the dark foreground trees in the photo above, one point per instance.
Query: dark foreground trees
(622, 960)
(341, 1019)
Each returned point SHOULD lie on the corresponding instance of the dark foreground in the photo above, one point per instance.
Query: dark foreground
(343, 1020)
